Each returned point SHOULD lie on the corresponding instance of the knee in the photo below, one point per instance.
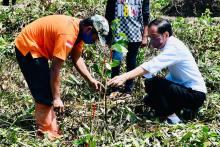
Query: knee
(148, 101)
(153, 85)
(149, 85)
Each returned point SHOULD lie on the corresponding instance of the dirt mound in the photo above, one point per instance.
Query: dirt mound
(189, 8)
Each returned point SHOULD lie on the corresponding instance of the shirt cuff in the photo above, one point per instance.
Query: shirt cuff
(148, 76)
(149, 66)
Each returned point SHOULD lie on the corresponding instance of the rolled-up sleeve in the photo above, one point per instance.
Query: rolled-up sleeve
(146, 11)
(164, 59)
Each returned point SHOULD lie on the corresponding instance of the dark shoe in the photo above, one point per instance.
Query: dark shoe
(189, 114)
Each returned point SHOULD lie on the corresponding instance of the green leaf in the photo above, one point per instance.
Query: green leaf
(86, 127)
(115, 63)
(108, 73)
(122, 36)
(77, 142)
(205, 129)
(122, 42)
(186, 137)
(119, 48)
(92, 143)
(213, 134)
(2, 41)
(97, 69)
(148, 135)
(116, 47)
(88, 138)
(131, 116)
(115, 24)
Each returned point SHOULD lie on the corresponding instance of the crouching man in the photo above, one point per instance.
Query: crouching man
(183, 87)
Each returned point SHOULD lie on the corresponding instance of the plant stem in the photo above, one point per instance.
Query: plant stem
(105, 84)
(105, 102)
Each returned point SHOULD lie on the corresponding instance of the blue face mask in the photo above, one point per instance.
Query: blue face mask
(87, 38)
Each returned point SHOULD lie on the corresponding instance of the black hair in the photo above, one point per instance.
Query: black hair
(163, 25)
(88, 22)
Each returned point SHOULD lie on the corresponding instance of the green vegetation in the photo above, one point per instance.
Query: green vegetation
(84, 122)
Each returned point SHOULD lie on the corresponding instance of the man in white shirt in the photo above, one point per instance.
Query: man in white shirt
(183, 87)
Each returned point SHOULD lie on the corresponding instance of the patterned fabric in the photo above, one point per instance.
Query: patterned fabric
(102, 27)
(131, 19)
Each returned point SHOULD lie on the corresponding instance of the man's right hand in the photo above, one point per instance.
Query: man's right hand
(58, 105)
(118, 80)
(96, 85)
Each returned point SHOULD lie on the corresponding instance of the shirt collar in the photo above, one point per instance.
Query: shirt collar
(167, 43)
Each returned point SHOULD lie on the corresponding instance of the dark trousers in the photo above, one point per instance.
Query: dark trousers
(167, 97)
(37, 75)
(131, 63)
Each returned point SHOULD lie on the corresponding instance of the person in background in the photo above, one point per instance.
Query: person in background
(182, 88)
(55, 38)
(6, 2)
(134, 18)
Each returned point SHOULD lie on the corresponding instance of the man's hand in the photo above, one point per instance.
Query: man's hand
(144, 42)
(96, 85)
(58, 105)
(118, 80)
(82, 69)
(145, 37)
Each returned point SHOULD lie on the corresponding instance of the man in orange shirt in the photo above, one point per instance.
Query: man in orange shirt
(54, 38)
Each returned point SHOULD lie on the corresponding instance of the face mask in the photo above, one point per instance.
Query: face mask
(156, 42)
(87, 38)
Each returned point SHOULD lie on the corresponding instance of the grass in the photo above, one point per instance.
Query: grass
(124, 126)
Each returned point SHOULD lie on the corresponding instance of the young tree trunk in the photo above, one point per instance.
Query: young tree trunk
(192, 7)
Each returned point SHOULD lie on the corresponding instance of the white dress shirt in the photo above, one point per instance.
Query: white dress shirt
(180, 63)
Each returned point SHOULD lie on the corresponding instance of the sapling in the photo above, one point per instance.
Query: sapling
(119, 46)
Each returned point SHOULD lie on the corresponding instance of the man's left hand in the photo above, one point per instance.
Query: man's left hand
(58, 105)
(144, 42)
